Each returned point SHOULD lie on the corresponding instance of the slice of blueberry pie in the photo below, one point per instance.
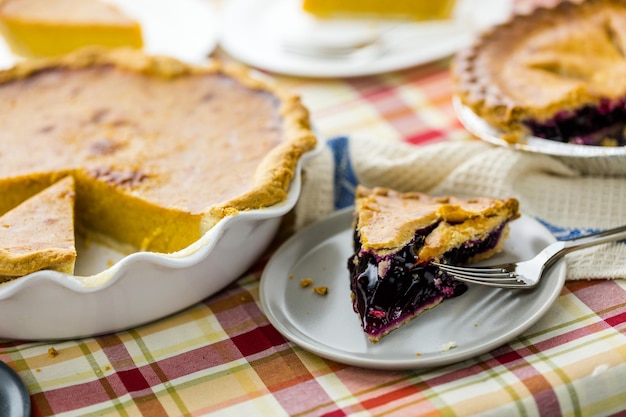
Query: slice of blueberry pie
(398, 235)
(556, 73)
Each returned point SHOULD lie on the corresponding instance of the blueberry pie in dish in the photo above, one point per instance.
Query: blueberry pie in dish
(555, 73)
(160, 150)
(396, 238)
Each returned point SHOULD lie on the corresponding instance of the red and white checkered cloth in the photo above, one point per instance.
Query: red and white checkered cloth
(222, 357)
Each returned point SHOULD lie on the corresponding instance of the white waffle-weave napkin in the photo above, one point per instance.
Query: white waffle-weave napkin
(568, 203)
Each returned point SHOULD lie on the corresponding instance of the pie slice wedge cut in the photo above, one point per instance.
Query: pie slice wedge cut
(39, 28)
(398, 235)
(39, 233)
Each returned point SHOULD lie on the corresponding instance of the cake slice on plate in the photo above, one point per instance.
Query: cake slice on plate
(398, 235)
(39, 233)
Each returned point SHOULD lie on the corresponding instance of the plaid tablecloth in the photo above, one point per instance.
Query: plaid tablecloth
(222, 356)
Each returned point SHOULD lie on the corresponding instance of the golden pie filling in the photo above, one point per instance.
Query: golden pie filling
(54, 27)
(556, 73)
(406, 9)
(160, 151)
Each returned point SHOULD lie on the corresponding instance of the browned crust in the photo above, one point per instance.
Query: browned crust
(477, 71)
(274, 174)
(387, 219)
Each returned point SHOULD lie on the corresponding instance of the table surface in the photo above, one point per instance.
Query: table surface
(222, 356)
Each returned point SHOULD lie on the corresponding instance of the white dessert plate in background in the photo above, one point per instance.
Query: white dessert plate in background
(112, 292)
(599, 160)
(478, 321)
(254, 32)
(183, 29)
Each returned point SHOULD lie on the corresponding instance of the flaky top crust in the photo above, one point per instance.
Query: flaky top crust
(538, 64)
(387, 220)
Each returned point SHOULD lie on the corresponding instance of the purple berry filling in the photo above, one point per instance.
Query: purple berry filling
(600, 125)
(405, 288)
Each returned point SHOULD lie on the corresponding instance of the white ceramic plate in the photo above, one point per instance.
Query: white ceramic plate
(254, 32)
(602, 160)
(112, 292)
(184, 29)
(480, 320)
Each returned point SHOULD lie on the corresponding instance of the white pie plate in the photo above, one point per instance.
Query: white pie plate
(255, 31)
(480, 320)
(140, 287)
(594, 160)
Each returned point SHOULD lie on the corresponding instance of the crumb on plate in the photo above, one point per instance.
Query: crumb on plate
(52, 352)
(320, 290)
(446, 347)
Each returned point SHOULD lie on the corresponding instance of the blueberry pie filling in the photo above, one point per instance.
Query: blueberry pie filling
(601, 125)
(392, 285)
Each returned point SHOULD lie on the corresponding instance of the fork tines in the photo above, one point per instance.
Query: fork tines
(497, 277)
(484, 272)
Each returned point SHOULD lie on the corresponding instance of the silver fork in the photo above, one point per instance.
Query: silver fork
(527, 274)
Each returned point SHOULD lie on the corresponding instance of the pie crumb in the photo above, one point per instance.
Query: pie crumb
(306, 282)
(52, 352)
(450, 345)
(320, 290)
(290, 276)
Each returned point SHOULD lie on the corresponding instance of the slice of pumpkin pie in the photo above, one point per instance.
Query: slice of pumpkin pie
(54, 27)
(39, 233)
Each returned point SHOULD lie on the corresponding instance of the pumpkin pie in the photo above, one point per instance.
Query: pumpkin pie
(397, 236)
(556, 73)
(411, 9)
(54, 27)
(39, 233)
(160, 150)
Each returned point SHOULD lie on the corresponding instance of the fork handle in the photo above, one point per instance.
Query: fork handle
(558, 249)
